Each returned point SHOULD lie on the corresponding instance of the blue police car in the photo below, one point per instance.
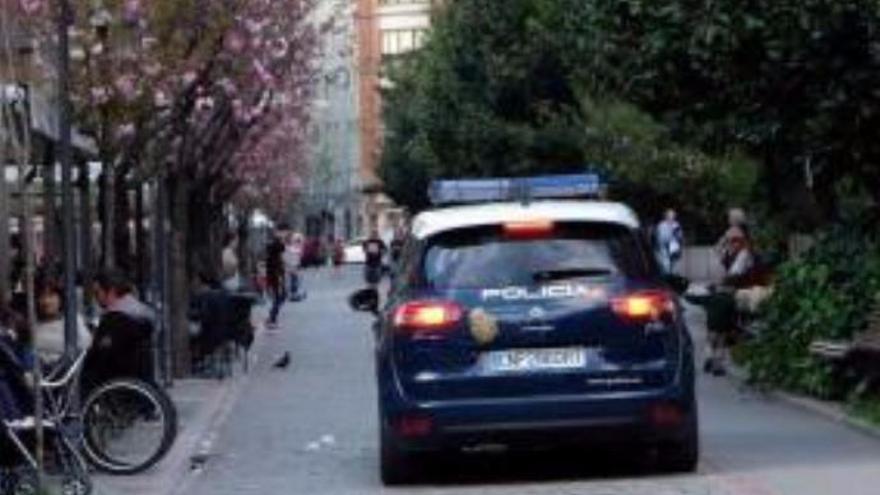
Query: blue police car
(522, 314)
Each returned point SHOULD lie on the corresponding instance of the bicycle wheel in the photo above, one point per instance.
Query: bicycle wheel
(128, 426)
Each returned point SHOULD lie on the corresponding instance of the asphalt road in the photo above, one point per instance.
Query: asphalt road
(311, 429)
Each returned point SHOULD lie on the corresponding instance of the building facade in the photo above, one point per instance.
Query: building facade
(385, 29)
(331, 201)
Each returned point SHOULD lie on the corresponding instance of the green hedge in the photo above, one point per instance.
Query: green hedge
(826, 294)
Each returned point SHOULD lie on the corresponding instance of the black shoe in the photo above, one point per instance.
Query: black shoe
(708, 365)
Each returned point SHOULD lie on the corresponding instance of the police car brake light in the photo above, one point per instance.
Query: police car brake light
(646, 305)
(449, 192)
(534, 229)
(427, 315)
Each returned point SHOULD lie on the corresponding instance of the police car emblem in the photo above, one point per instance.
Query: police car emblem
(484, 326)
(537, 313)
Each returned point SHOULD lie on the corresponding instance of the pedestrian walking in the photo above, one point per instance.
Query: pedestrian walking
(338, 253)
(275, 276)
(669, 240)
(374, 249)
(293, 251)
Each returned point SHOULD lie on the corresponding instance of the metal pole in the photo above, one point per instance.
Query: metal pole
(64, 155)
(160, 274)
(28, 245)
(86, 233)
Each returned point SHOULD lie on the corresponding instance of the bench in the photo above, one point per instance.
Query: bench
(223, 331)
(856, 359)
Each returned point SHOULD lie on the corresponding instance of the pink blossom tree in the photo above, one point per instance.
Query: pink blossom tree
(210, 96)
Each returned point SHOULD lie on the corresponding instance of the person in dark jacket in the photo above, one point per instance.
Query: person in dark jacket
(275, 277)
(374, 251)
(16, 362)
(122, 343)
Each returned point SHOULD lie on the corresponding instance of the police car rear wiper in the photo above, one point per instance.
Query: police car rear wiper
(548, 275)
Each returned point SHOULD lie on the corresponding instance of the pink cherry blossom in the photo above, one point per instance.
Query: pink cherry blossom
(125, 131)
(100, 95)
(188, 78)
(132, 11)
(32, 7)
(126, 86)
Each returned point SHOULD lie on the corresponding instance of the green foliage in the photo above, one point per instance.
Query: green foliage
(867, 409)
(651, 172)
(484, 97)
(494, 93)
(790, 81)
(827, 294)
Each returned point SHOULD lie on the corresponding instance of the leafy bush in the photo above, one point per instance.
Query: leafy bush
(826, 294)
(651, 173)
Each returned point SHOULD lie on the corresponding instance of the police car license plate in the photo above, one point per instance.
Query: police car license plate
(520, 360)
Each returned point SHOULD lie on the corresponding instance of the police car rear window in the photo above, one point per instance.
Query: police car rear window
(485, 257)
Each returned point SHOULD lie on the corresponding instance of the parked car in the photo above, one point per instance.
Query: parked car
(354, 252)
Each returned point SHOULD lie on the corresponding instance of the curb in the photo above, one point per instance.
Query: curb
(832, 411)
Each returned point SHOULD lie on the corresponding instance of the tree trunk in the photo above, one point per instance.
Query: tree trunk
(161, 278)
(205, 243)
(179, 273)
(247, 267)
(106, 196)
(141, 245)
(86, 248)
(121, 225)
(51, 224)
(5, 245)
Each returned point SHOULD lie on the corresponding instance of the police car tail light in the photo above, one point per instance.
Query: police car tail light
(643, 306)
(427, 315)
(532, 229)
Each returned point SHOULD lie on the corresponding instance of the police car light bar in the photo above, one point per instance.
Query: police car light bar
(448, 192)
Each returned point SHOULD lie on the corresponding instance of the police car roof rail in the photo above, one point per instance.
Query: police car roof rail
(526, 189)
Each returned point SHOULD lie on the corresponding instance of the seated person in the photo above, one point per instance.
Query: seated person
(16, 362)
(15, 397)
(49, 337)
(743, 289)
(122, 343)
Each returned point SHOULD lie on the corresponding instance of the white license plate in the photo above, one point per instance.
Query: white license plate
(520, 360)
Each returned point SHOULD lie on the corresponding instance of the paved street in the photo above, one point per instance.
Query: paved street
(312, 429)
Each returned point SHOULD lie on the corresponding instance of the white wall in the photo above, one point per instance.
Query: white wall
(701, 264)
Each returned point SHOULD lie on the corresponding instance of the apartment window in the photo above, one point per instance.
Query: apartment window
(397, 41)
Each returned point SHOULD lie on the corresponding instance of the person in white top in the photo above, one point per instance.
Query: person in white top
(292, 257)
(737, 256)
(670, 241)
(230, 263)
(49, 339)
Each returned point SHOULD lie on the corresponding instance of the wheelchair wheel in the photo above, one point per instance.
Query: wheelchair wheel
(128, 426)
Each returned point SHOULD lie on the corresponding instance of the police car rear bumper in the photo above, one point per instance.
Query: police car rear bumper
(642, 417)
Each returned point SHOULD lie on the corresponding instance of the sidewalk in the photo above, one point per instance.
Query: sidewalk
(198, 405)
(830, 410)
(202, 407)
